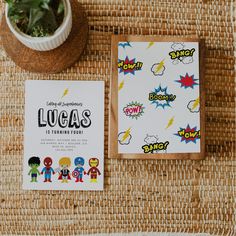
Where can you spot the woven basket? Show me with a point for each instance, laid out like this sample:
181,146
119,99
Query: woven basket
139,196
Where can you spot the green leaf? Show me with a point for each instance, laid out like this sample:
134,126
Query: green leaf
35,16
9,2
60,9
45,4
31,3
49,20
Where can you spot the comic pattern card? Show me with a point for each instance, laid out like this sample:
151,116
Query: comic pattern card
158,97
64,135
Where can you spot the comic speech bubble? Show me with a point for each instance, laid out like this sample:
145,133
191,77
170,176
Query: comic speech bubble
129,66
161,98
158,68
124,137
150,148
134,110
189,134
194,106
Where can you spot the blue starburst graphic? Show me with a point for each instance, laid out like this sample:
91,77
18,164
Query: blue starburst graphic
163,103
126,44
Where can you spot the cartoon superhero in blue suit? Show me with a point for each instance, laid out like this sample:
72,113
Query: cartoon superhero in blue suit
79,170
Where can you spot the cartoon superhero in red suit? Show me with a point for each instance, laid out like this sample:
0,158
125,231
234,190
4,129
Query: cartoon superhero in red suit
47,170
93,171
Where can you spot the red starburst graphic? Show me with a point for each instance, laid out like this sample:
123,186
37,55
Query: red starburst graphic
129,66
187,81
189,134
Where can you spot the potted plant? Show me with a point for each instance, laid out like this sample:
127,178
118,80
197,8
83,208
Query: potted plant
39,24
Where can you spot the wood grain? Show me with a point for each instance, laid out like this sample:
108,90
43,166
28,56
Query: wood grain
50,61
113,118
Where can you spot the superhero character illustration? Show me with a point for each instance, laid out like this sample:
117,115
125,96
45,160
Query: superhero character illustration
79,170
64,174
93,171
47,170
34,163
